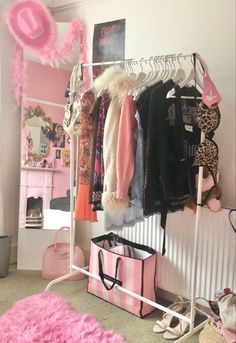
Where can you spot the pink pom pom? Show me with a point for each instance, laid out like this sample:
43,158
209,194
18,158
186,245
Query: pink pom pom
214,205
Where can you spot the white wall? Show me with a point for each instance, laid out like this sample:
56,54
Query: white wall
157,27
9,138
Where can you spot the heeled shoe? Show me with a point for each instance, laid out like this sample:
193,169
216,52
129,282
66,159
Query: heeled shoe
177,306
180,329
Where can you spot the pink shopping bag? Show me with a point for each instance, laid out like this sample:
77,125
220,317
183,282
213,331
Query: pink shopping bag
136,272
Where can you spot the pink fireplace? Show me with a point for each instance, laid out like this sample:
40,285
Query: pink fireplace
35,195
34,213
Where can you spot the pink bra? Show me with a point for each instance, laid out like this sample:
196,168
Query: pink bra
210,96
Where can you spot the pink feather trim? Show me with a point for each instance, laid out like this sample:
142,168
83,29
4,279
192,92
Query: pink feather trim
52,56
18,74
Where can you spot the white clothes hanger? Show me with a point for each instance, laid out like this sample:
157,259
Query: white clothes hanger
154,77
163,72
141,82
180,73
173,69
141,75
167,69
155,73
193,76
131,71
151,72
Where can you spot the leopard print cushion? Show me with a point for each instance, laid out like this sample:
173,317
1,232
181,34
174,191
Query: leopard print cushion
207,155
207,119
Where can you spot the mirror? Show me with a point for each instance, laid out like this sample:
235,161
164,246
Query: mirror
36,126
45,155
45,146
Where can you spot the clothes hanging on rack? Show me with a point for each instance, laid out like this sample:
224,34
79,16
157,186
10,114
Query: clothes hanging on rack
117,87
97,174
94,115
118,211
171,139
83,210
146,144
87,130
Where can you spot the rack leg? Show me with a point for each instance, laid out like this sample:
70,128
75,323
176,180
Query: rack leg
194,264
64,277
192,332
53,282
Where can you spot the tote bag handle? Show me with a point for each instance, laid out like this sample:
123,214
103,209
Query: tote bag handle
104,276
58,233
230,220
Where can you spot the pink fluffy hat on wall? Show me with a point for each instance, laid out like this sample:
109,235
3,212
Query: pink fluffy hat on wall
34,28
31,24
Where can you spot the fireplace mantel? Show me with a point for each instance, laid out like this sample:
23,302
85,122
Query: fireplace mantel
40,169
35,182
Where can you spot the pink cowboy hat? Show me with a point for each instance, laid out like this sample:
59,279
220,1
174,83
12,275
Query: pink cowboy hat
31,24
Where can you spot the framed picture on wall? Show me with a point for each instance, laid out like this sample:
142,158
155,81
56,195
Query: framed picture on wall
65,157
108,43
59,136
58,154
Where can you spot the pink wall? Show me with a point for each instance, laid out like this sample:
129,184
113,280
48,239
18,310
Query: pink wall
46,83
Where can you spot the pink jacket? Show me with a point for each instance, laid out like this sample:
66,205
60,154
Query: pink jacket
126,147
119,86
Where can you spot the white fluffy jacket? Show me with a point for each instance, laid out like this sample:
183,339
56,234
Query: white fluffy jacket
120,84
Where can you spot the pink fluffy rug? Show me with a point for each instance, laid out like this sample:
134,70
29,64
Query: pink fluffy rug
48,318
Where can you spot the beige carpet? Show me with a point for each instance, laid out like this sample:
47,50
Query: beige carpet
20,284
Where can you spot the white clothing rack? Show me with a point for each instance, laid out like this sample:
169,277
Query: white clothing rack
75,269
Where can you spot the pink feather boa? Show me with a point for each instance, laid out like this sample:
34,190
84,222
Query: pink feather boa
18,74
52,56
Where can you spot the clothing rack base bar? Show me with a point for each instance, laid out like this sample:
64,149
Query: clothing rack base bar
62,278
124,290
137,296
191,332
55,281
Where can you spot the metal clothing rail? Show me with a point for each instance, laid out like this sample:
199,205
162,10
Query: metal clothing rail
75,269
138,60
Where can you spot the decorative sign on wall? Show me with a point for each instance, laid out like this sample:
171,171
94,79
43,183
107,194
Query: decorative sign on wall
59,136
58,154
108,43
